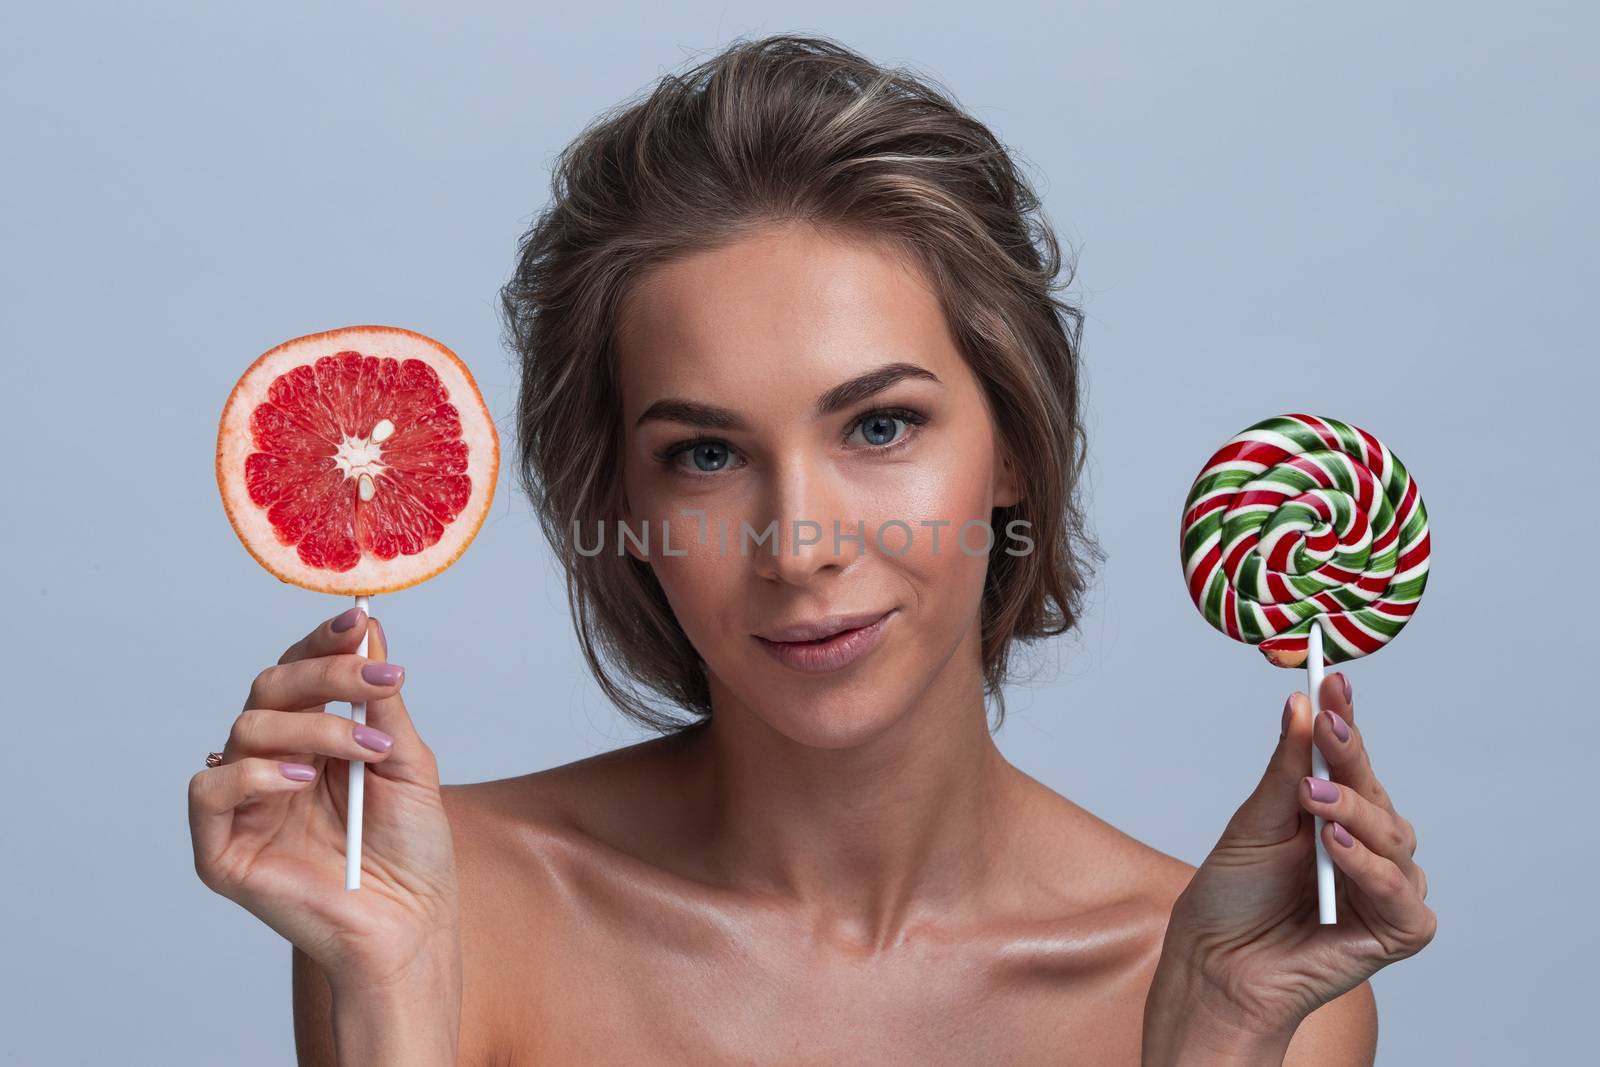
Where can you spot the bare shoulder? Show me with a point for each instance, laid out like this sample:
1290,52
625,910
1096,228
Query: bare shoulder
1343,1031
1148,882
525,848
1124,871
519,839
1099,895
577,803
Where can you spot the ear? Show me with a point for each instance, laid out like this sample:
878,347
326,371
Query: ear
1007,490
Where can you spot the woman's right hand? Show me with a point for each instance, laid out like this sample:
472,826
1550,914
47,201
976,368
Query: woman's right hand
276,845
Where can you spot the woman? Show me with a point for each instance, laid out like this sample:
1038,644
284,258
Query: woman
787,321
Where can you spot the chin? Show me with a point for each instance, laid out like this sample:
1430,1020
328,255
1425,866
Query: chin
844,721
839,711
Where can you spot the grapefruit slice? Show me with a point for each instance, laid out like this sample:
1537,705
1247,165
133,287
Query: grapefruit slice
359,461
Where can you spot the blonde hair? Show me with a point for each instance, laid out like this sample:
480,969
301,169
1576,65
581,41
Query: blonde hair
789,128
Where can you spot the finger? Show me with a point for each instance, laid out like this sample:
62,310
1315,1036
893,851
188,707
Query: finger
309,683
342,633
1383,831
1349,762
1295,744
410,759
1337,694
216,792
288,734
1272,812
1393,906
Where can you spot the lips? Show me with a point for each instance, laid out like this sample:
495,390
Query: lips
829,654
817,629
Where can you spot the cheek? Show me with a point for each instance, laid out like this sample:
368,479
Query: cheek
700,582
953,491
948,486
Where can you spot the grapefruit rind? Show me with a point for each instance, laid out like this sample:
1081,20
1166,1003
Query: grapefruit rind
371,575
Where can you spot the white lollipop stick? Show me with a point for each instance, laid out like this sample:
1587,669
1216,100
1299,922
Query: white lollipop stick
1319,768
352,840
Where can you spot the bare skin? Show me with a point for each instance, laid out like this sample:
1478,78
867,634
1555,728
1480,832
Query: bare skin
838,867
1031,960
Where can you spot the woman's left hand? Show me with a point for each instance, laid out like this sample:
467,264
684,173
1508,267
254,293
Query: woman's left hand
1244,948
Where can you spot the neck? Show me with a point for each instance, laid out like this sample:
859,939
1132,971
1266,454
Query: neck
869,836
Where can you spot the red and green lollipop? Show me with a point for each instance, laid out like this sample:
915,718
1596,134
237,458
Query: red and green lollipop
1306,537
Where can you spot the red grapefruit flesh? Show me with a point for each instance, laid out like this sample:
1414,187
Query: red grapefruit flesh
360,460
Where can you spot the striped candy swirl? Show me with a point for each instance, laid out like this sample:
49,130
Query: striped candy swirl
1300,517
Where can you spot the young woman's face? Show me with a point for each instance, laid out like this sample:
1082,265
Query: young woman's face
731,362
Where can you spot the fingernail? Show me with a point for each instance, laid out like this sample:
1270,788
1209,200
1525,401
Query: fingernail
383,673
1322,789
383,635
1348,698
300,772
376,740
1341,835
1288,710
1341,729
343,622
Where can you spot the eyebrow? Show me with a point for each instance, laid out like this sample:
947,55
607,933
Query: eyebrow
844,395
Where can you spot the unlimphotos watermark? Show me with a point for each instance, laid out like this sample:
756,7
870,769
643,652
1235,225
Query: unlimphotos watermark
806,532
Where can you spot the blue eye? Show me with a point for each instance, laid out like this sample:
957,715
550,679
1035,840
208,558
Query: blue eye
709,455
878,428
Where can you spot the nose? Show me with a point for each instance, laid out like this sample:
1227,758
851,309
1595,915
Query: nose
806,503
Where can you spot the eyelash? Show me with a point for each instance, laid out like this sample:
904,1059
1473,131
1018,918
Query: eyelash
914,419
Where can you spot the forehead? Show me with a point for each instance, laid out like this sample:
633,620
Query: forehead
785,304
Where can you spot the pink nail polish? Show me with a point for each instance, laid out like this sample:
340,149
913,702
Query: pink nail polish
1341,729
1341,835
382,673
367,737
1349,698
300,772
1322,789
345,620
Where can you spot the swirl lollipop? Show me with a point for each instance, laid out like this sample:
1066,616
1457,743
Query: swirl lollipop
356,461
1306,537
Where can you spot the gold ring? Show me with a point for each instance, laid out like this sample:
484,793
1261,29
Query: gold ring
214,759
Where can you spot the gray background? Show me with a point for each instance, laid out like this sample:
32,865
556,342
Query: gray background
1382,213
